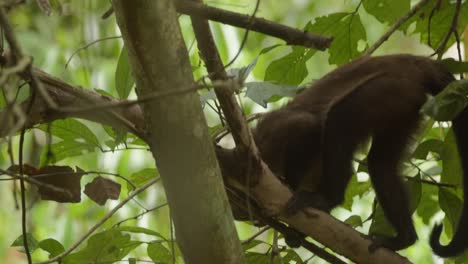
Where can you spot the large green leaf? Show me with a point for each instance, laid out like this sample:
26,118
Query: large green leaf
440,22
72,130
428,205
106,247
451,204
452,171
346,29
123,77
33,244
355,188
141,177
52,246
158,253
387,11
264,92
448,103
290,69
430,145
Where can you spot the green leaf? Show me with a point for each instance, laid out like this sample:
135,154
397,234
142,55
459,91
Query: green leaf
448,103
263,92
430,145
52,246
455,66
72,130
387,11
141,177
290,69
380,224
205,97
268,49
33,244
428,206
257,258
242,73
123,77
2,101
105,247
451,204
452,171
140,230
440,22
346,29
354,221
66,149
292,257
251,244
77,139
158,253
119,136
354,188
414,188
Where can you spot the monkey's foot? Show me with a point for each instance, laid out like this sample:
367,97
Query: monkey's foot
304,199
392,243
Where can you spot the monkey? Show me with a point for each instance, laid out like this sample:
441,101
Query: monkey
309,143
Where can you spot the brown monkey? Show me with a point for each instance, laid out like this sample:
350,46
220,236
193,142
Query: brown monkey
310,142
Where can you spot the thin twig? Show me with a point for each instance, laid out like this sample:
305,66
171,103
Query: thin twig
254,236
246,35
23,198
395,26
135,217
58,258
141,99
87,46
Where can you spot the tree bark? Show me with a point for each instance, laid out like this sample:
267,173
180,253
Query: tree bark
178,136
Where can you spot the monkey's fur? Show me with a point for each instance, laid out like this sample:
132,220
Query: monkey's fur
309,143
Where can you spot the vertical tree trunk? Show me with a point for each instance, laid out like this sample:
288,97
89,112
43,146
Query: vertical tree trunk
179,137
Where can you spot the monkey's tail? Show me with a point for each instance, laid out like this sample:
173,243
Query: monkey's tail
460,239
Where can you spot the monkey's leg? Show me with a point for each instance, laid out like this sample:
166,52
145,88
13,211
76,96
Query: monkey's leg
384,156
341,135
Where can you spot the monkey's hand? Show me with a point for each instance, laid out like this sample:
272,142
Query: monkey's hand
303,199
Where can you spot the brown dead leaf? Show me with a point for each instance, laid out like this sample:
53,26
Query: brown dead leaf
63,177
102,189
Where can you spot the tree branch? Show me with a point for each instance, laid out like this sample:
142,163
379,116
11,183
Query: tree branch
292,36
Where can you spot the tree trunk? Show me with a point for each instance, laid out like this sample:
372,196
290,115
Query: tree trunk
179,138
